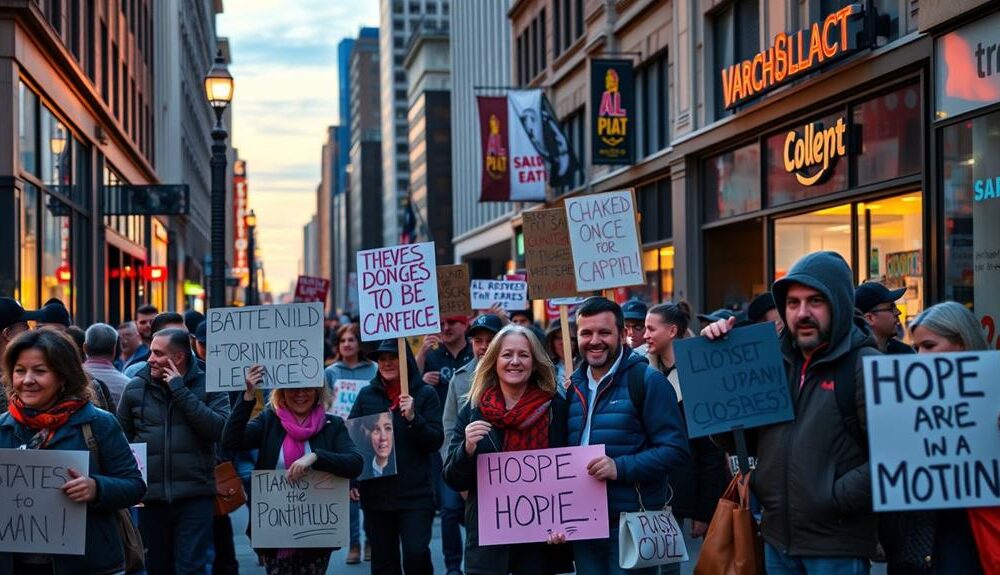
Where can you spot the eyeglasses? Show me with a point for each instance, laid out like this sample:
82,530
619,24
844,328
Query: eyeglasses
895,310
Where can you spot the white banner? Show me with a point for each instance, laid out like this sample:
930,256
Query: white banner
512,295
528,174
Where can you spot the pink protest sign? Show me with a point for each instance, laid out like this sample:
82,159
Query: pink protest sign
523,495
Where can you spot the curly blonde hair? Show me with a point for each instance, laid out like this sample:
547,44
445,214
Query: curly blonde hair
324,397
543,373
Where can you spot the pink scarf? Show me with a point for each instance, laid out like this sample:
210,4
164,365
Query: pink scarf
296,434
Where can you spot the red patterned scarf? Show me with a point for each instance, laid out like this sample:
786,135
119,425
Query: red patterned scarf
393,390
526,425
47,422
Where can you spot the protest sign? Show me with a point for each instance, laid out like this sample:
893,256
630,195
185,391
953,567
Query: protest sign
286,339
512,295
373,434
397,292
548,255
139,452
525,494
932,430
345,393
453,290
35,515
733,383
310,289
605,241
308,513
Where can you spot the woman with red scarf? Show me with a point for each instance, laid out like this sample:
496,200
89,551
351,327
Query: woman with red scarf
513,406
49,408
296,434
399,509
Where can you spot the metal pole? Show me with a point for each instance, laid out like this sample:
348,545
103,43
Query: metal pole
217,284
252,261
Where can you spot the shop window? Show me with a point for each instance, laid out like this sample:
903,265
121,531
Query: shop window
888,128
57,270
793,172
957,185
732,183
28,238
824,230
659,266
28,129
734,265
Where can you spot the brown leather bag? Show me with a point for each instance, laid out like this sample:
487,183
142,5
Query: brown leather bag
229,492
732,545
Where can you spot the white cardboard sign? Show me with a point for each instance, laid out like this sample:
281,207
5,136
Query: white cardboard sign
605,241
312,512
512,295
397,291
345,393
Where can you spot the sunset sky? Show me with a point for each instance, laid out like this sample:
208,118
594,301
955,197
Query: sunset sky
284,66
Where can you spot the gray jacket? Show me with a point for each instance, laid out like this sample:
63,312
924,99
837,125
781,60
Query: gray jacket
180,425
458,389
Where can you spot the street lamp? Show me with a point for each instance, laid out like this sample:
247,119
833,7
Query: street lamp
251,222
219,92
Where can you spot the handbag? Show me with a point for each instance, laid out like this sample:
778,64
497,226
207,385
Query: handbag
229,492
650,538
732,544
985,524
131,539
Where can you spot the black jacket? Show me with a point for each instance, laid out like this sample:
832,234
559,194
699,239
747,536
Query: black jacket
460,475
812,475
415,443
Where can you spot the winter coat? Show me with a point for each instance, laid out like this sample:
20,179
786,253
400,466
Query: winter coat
812,475
648,448
180,425
458,389
460,475
414,443
119,485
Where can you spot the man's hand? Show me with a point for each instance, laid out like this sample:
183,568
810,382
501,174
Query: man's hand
603,468
406,407
355,494
718,329
171,372
497,310
80,488
698,529
432,378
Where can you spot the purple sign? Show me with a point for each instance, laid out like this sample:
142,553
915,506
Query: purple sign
525,495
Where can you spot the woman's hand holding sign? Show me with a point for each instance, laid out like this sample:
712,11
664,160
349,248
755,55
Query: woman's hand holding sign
254,377
474,433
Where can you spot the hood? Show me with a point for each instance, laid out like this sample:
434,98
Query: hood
828,273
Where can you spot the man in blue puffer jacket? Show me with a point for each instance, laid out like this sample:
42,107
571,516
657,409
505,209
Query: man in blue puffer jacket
644,436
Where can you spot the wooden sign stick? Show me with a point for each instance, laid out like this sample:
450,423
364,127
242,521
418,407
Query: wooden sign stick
566,345
404,376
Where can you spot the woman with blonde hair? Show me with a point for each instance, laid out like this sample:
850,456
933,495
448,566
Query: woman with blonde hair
513,406
296,434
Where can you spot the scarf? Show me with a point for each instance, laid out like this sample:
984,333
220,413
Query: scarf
526,425
296,434
393,391
47,422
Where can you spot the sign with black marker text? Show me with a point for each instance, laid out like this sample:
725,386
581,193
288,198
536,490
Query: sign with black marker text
605,241
512,295
308,513
397,291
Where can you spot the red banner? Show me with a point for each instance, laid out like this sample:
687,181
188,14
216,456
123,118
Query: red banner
241,265
493,133
310,289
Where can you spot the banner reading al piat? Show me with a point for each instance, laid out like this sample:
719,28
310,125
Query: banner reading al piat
612,109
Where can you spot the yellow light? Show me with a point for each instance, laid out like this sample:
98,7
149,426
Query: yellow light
219,84
250,219
667,251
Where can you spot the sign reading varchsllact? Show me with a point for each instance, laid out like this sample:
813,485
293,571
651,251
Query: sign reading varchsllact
286,339
932,430
605,241
308,513
36,516
397,291
512,295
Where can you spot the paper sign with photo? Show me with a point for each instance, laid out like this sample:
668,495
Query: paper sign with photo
373,434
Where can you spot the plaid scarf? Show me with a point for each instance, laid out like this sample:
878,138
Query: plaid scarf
526,425
47,422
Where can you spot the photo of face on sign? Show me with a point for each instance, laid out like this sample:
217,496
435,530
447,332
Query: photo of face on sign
373,434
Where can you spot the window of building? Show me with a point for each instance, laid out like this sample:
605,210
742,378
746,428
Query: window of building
654,202
115,75
653,117
432,8
57,269
28,255
732,181
658,264
56,154
736,37
28,128
399,76
397,7
543,62
784,186
890,135
573,128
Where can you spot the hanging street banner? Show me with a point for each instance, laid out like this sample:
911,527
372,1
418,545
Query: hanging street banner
398,291
612,109
512,295
453,290
605,240
932,430
548,254
286,339
496,160
528,174
312,512
309,289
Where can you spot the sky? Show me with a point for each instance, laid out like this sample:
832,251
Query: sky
284,64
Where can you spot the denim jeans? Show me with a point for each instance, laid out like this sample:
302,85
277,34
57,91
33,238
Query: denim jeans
178,536
600,557
355,523
778,563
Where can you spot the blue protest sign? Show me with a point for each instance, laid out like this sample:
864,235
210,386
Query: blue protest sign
736,382
932,430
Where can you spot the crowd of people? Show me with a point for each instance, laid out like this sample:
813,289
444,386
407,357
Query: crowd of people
493,383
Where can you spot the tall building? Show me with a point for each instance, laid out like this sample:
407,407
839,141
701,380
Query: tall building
325,193
186,45
310,243
480,56
398,19
428,69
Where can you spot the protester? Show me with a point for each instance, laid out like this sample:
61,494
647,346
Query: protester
554,346
878,304
697,493
13,321
481,333
99,346
399,510
192,319
935,542
351,364
440,357
162,321
50,409
634,311
522,317
133,350
166,407
144,316
513,406
199,340
53,315
76,334
812,475
763,309
643,435
293,433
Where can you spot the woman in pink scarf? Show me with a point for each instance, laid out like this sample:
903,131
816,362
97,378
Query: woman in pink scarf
294,433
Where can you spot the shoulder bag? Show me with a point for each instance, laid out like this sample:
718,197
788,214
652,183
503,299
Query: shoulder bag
650,538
